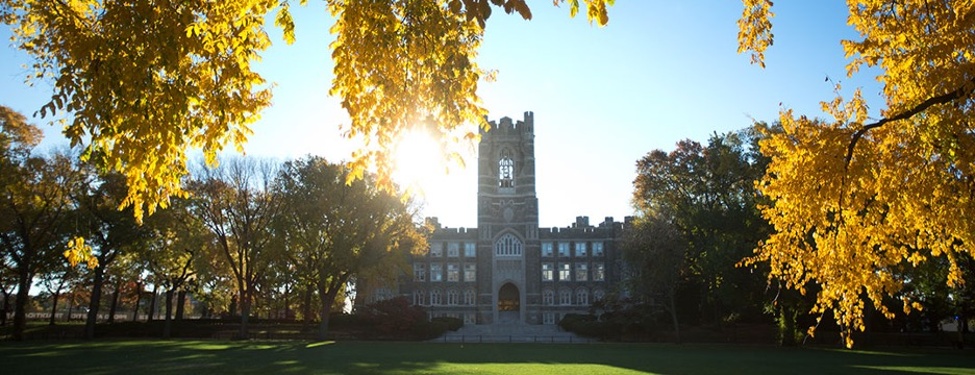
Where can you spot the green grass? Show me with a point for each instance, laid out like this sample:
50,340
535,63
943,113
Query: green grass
180,357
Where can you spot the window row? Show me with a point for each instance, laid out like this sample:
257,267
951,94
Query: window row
469,318
453,249
438,298
565,272
565,297
581,249
437,272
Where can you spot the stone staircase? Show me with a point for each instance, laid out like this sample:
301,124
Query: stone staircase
511,333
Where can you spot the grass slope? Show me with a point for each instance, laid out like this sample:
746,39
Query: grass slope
216,357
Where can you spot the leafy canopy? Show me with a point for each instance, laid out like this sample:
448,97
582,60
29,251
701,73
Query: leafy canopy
854,198
144,81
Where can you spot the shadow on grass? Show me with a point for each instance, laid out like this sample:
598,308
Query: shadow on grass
178,356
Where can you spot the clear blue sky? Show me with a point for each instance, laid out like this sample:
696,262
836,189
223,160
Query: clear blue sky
661,71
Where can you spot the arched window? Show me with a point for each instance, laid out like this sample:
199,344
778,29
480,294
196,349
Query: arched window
419,297
548,297
598,294
452,297
565,297
582,296
435,297
506,170
507,245
469,297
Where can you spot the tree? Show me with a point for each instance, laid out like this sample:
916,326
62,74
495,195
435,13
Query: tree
336,230
177,237
655,253
856,198
55,279
146,80
33,204
237,204
707,193
111,232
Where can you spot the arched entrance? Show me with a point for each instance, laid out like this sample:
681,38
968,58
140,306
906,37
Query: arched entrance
509,304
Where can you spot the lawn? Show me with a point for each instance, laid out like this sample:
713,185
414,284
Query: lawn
184,356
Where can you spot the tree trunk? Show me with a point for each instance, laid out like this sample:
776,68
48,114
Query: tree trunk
152,304
232,310
673,317
54,306
180,304
138,301
6,306
167,328
114,306
787,326
20,306
306,314
287,303
70,301
245,312
95,302
327,301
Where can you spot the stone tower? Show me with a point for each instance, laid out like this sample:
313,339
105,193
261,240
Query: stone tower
507,218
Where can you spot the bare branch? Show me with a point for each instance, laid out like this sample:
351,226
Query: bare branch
956,94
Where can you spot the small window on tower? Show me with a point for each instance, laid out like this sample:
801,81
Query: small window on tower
506,170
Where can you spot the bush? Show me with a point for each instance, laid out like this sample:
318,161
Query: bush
569,321
453,324
428,330
396,319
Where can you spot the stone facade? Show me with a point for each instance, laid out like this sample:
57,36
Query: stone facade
508,270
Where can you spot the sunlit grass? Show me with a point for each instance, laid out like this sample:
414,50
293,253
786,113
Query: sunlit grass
329,357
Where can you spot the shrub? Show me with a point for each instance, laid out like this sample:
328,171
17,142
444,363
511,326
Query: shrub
453,324
396,318
428,330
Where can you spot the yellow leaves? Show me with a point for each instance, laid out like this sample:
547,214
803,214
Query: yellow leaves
286,23
755,29
78,251
146,81
596,10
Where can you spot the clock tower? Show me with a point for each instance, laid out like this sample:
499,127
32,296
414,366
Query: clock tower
507,218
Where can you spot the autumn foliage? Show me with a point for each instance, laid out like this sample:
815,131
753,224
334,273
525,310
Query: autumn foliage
857,200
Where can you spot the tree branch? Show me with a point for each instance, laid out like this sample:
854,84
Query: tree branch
956,94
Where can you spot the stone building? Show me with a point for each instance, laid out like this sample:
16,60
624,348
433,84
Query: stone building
508,270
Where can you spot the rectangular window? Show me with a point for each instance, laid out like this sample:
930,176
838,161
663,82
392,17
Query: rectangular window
580,249
564,272
548,318
469,318
547,249
598,272
453,249
436,249
419,272
597,249
453,272
470,272
582,272
470,249
548,272
563,249
436,272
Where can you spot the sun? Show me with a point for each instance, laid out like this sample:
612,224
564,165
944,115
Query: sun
420,163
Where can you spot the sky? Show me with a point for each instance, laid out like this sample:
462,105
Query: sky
602,97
